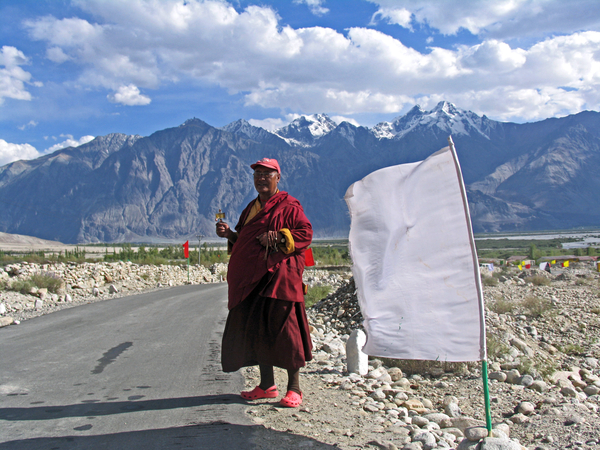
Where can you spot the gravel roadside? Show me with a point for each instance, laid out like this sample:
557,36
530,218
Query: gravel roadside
544,370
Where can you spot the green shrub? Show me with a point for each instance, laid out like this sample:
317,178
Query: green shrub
47,280
547,368
489,281
22,286
572,349
495,347
538,280
502,306
315,294
536,306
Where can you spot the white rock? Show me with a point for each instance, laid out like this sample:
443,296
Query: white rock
426,438
491,443
592,389
334,346
452,410
475,434
357,361
526,408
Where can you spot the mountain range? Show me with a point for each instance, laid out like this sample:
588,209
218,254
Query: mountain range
169,185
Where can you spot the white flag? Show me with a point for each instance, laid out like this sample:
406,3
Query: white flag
415,262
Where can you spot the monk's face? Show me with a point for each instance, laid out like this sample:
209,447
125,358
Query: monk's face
265,181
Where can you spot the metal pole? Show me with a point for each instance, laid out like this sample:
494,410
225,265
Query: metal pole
477,276
486,397
199,236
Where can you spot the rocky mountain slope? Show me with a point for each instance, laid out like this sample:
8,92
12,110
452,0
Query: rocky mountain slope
169,185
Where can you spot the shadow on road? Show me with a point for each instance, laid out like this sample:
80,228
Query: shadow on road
109,408
209,436
212,435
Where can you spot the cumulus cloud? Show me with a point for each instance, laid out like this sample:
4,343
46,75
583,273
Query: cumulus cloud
316,6
12,77
270,124
14,152
143,44
501,19
69,142
57,55
30,124
397,16
129,95
340,119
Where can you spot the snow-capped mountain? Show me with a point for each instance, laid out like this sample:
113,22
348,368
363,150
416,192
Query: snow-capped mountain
245,128
444,118
168,185
306,130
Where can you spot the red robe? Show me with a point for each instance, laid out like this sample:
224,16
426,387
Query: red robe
267,321
247,265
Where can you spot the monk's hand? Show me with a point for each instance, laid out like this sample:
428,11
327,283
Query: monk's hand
263,239
269,238
222,229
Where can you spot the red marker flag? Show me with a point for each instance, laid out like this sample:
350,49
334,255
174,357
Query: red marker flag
186,249
310,260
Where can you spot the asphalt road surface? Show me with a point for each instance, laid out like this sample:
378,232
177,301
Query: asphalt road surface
134,372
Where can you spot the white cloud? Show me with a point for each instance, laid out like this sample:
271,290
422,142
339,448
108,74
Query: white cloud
14,152
143,44
397,16
69,142
30,124
269,124
316,6
57,55
12,77
129,95
340,119
501,19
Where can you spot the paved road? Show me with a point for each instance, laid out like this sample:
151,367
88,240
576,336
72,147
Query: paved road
134,372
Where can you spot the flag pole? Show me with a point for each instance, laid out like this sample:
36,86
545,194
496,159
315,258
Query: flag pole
484,363
186,255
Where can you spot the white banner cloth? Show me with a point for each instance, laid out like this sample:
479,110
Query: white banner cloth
415,263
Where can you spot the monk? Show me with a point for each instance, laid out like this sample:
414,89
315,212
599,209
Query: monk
267,324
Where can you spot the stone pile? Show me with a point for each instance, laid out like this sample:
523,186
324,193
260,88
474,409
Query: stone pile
317,277
85,282
544,377
92,281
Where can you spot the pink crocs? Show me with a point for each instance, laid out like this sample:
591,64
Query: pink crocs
258,393
291,400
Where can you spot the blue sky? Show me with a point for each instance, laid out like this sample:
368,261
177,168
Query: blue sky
71,70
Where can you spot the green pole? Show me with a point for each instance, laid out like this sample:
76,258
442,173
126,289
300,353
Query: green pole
486,395
188,260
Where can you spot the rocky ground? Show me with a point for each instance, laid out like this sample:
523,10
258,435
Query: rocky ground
88,282
543,345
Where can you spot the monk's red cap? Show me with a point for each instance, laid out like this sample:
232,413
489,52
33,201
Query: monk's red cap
269,163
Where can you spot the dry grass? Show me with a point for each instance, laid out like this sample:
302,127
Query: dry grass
410,367
538,280
536,306
502,306
489,281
